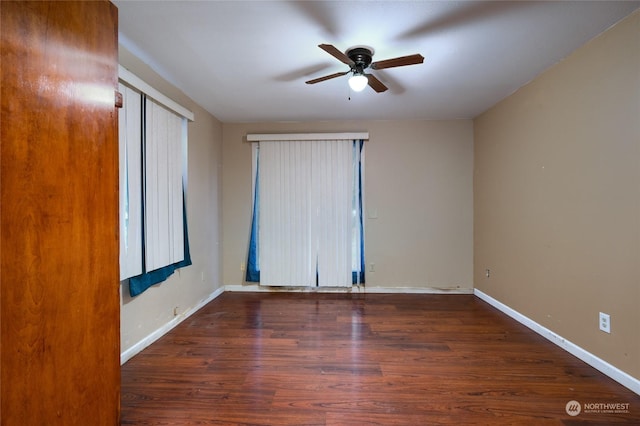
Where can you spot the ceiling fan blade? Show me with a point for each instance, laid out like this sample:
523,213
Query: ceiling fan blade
376,84
326,77
398,62
333,51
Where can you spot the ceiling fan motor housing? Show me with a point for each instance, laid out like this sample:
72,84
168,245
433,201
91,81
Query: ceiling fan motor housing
361,58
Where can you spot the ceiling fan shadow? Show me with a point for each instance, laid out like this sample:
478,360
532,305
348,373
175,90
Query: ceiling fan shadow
463,14
319,13
304,72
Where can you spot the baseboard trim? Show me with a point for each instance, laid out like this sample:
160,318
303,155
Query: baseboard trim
145,342
418,290
599,364
354,289
255,288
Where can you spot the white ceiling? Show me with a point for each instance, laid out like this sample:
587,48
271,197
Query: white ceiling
247,61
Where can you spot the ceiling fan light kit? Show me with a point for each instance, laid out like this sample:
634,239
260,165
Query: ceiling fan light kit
358,82
359,59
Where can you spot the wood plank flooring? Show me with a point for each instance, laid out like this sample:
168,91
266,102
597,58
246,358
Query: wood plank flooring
375,359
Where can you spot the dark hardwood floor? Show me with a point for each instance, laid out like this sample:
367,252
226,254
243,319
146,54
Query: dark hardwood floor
375,359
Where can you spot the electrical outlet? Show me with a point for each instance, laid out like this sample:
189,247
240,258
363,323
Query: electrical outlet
372,267
605,322
175,311
487,272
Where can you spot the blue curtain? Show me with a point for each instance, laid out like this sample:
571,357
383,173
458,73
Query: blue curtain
140,283
253,267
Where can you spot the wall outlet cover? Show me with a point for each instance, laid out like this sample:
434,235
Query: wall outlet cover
605,322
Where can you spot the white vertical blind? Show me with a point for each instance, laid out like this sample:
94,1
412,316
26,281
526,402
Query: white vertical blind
333,195
306,196
153,165
130,147
164,237
286,256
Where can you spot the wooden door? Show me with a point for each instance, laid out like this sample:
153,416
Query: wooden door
59,297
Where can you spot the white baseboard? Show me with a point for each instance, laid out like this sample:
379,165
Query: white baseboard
599,364
418,290
142,344
268,289
354,289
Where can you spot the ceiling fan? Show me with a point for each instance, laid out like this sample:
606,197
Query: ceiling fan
359,59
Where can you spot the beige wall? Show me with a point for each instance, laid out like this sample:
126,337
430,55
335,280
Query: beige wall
153,309
418,182
557,197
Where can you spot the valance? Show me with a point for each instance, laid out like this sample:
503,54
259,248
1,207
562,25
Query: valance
266,137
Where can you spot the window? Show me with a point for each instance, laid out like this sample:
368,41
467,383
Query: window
153,138
307,217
